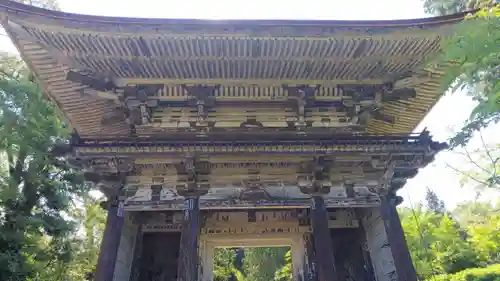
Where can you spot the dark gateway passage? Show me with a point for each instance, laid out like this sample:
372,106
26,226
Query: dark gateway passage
156,264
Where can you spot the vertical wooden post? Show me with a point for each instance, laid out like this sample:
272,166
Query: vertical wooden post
110,243
325,262
188,254
397,242
136,262
309,262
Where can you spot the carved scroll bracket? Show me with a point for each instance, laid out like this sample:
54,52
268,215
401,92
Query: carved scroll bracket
140,102
108,174
314,176
301,95
366,102
134,103
193,174
203,98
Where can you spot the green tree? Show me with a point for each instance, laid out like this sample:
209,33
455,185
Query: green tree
261,264
436,243
91,220
37,188
486,239
447,7
482,222
224,259
46,4
434,204
473,212
473,58
285,273
472,55
482,165
452,252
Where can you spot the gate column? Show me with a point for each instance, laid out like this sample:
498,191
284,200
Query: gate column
194,174
396,238
110,242
317,184
188,253
324,257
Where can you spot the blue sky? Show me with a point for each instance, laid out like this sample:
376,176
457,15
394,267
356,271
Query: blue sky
450,112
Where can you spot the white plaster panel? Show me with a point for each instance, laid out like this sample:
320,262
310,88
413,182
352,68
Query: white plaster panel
378,246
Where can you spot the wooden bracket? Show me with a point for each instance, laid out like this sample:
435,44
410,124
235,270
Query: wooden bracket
192,174
203,97
301,95
317,179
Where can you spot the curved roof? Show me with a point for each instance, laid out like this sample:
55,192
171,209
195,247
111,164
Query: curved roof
236,52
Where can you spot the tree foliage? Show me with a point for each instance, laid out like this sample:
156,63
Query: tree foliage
261,264
36,189
438,244
481,168
447,7
286,272
434,204
224,260
475,59
490,273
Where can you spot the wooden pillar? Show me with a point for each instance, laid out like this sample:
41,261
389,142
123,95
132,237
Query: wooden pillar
136,262
207,265
188,254
298,257
309,260
395,235
324,260
110,243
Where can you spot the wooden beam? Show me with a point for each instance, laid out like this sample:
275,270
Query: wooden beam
188,254
110,243
324,259
395,235
241,82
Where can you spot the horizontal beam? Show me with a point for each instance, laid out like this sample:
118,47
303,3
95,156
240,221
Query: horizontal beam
121,82
344,139
246,205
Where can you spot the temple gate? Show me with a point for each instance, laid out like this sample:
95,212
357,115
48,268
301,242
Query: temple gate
207,134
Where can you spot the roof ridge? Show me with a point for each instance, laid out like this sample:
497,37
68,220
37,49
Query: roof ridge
12,8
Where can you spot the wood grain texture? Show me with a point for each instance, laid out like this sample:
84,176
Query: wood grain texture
237,53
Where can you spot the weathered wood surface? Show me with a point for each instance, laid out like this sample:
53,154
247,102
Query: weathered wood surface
239,54
138,248
405,270
188,258
110,243
324,256
250,221
310,271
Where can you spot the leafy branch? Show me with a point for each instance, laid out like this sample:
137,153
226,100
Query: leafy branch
473,59
485,162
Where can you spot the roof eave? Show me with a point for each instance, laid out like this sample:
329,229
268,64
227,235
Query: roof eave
35,15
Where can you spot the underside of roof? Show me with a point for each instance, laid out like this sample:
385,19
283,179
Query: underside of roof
248,60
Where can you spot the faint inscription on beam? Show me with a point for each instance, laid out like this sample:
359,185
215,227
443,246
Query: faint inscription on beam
290,221
255,230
